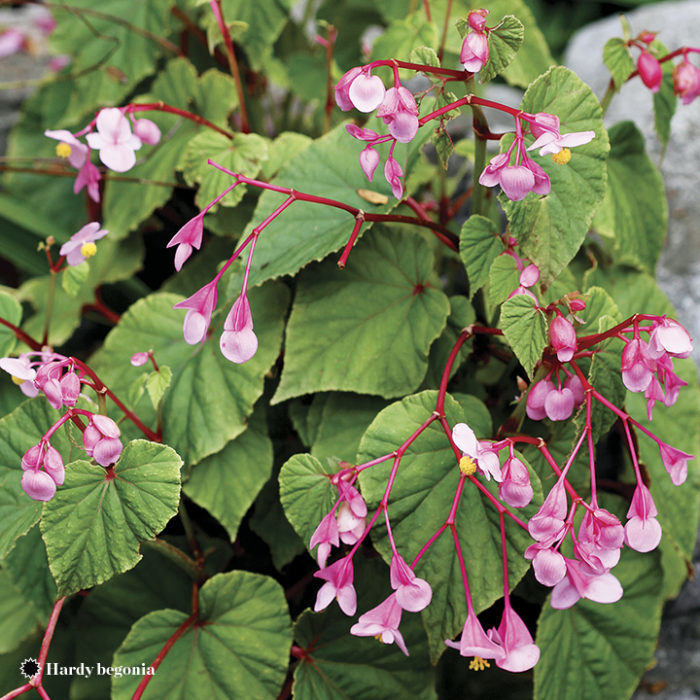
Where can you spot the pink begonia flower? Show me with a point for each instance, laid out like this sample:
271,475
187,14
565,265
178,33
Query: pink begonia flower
382,622
46,457
238,342
652,394
101,440
338,577
477,19
559,404
536,397
82,244
650,71
147,131
114,140
360,133
11,42
548,564
475,51
60,389
342,89
369,159
642,530
548,522
530,275
637,365
669,337
583,582
516,181
74,151
562,337
22,373
138,359
200,307
545,128
486,459
350,527
399,111
600,538
413,594
366,91
686,81
515,489
88,176
676,463
189,236
542,183
325,536
393,174
353,497
475,642
520,652
575,385
491,174
38,485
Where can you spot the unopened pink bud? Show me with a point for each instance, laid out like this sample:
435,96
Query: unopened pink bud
559,404
38,485
138,359
530,275
366,92
649,71
53,463
686,81
577,304
369,159
536,398
477,19
147,131
647,37
475,52
32,457
563,338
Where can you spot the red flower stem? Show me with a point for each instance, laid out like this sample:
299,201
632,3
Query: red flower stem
367,465
429,544
162,654
101,387
17,692
21,335
450,242
43,693
591,453
633,452
462,569
359,220
303,197
470,100
444,380
426,6
161,106
389,533
46,642
504,555
445,26
585,341
233,63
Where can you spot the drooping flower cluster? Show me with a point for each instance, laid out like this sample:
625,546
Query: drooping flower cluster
114,141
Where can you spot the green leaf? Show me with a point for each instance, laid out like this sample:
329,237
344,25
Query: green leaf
402,36
11,311
19,618
244,154
284,148
341,666
421,499
107,614
113,261
367,328
550,229
426,56
664,99
443,145
308,231
238,649
73,278
157,382
505,40
504,278
479,246
617,58
525,328
209,398
306,492
19,430
598,652
634,211
228,482
96,521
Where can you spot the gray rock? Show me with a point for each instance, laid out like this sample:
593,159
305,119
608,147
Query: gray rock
678,24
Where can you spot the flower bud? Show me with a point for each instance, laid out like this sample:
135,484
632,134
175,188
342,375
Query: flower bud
649,71
477,19
147,131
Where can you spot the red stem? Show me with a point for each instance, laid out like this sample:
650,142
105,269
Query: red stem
46,641
161,106
426,5
21,335
162,654
445,26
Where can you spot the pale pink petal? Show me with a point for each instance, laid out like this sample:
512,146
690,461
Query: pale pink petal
38,485
366,92
463,436
238,346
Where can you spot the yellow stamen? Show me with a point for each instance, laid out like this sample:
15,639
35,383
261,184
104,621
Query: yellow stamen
88,250
467,465
478,664
63,150
17,380
563,157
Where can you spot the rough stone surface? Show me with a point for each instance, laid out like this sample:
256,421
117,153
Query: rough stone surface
678,24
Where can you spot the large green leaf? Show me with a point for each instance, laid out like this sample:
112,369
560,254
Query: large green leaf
402,36
19,617
95,523
307,231
634,211
550,229
525,328
238,648
598,652
209,398
10,311
617,58
367,328
420,501
479,246
340,666
227,483
19,430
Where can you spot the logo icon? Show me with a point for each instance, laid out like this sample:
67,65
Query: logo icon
29,668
